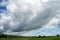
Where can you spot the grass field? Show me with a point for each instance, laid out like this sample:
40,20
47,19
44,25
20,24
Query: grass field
47,38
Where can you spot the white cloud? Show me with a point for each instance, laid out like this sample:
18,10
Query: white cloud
52,23
25,16
44,1
1,27
12,7
4,2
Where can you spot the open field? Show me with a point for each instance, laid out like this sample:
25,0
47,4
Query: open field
31,38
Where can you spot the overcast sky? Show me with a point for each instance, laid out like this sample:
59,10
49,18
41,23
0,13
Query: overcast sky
30,17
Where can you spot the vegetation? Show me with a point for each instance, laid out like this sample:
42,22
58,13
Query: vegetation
58,35
10,37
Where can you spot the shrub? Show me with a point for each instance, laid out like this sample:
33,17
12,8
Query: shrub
57,35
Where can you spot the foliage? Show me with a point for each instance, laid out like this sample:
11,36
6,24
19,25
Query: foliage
58,35
10,37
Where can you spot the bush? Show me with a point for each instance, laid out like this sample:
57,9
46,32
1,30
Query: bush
3,36
43,36
39,36
57,35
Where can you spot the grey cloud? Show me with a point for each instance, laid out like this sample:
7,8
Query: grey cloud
42,18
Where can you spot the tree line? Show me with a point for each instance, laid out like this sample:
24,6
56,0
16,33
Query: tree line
9,36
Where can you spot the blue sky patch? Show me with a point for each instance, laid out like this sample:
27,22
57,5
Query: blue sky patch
1,0
3,8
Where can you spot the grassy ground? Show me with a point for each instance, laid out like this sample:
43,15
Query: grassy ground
47,38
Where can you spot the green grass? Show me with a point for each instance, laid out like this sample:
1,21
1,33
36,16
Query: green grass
47,38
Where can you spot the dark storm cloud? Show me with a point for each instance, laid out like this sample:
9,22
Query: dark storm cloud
42,19
25,20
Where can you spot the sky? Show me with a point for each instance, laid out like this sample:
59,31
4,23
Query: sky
30,17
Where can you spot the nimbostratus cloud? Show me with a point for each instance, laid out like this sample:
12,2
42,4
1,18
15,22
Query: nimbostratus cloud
27,15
